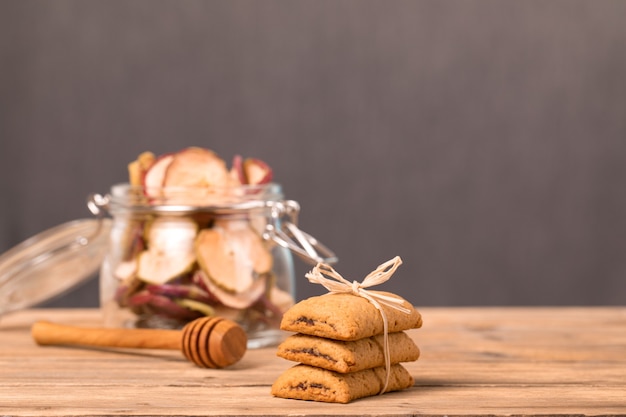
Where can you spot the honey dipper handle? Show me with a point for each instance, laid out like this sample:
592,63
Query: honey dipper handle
46,333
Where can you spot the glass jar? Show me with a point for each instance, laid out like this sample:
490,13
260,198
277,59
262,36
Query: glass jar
178,254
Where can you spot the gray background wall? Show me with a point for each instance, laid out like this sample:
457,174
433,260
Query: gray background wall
482,141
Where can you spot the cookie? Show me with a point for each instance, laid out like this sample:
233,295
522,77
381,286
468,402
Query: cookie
346,316
304,382
347,356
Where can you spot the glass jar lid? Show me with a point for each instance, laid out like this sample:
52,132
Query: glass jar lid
52,262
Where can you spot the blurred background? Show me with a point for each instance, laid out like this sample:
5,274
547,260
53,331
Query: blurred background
482,141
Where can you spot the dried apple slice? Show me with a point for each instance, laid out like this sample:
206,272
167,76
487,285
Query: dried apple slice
252,171
171,234
238,301
195,305
170,250
232,255
125,271
162,305
196,167
236,173
183,291
256,171
153,179
127,289
158,268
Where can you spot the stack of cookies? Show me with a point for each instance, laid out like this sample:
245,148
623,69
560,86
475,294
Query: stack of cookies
339,346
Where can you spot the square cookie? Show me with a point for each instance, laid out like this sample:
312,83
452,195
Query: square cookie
347,356
304,382
346,317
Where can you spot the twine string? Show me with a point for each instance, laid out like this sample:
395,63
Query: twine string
325,275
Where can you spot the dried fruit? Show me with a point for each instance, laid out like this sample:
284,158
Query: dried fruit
195,305
256,171
231,254
178,267
251,171
125,270
170,250
196,168
138,168
162,305
237,176
240,300
188,291
153,179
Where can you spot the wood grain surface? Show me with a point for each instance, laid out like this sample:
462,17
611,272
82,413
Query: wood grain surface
475,361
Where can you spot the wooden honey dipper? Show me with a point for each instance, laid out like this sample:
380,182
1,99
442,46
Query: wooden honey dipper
209,342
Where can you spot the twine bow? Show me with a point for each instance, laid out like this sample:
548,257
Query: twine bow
336,284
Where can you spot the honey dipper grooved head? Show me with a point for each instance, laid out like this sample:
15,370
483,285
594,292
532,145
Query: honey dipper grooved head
213,342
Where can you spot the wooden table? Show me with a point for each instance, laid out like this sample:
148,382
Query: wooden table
475,361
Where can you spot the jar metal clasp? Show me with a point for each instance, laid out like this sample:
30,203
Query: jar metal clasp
97,204
282,229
